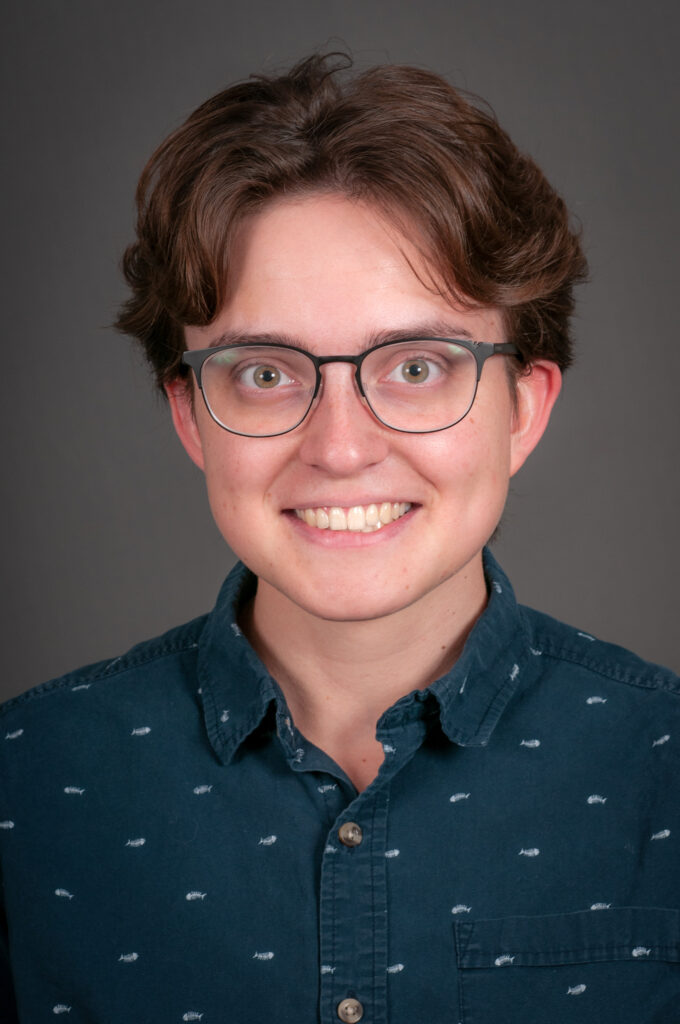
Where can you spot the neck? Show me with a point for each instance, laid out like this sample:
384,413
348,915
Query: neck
339,677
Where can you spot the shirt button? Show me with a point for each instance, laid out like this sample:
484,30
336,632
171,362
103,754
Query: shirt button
350,834
350,1011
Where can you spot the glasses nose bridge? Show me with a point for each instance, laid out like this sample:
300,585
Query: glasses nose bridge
354,361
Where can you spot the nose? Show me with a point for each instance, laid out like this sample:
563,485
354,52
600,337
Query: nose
341,435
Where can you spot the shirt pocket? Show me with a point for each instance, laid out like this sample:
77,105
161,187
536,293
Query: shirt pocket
619,965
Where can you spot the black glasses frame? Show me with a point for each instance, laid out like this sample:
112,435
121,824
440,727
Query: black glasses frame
481,350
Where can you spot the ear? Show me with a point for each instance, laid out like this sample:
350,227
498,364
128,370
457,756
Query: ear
536,394
181,399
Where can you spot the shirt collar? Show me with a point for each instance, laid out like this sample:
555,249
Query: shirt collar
237,691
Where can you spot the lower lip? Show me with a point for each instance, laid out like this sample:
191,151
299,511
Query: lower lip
341,539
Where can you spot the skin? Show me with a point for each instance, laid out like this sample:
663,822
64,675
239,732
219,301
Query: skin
348,623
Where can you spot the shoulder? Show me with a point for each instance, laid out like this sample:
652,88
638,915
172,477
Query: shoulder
576,653
165,656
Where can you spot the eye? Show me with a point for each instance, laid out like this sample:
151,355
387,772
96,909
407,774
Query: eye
415,370
263,375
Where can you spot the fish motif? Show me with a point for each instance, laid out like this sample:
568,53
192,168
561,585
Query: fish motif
6,824
532,744
14,735
327,969
143,730
81,686
192,1015
640,951
503,961
514,673
459,796
71,790
61,1008
461,908
391,853
136,842
576,990
661,740
195,895
600,906
263,956
596,700
267,841
497,587
224,717
389,749
327,788
64,893
395,968
595,798
586,636
128,958
533,851
663,834
200,790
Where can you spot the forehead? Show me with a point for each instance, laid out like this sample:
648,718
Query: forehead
324,271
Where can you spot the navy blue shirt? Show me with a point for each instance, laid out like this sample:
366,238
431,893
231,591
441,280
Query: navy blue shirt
173,849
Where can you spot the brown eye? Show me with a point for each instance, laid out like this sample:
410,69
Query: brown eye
266,376
415,371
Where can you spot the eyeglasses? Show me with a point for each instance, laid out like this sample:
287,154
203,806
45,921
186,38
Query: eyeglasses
418,385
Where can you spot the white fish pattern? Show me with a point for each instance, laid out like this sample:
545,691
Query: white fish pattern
74,790
514,672
533,851
267,841
195,895
661,740
235,629
298,756
327,969
330,849
663,834
600,906
136,842
461,908
389,749
586,636
595,798
263,956
128,958
61,1008
504,961
200,790
596,700
327,788
142,730
640,951
14,735
497,587
457,797
64,893
576,990
532,744
224,717
536,653
6,824
395,969
81,686
192,1015
391,853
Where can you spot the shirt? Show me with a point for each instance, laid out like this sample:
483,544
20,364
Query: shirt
173,849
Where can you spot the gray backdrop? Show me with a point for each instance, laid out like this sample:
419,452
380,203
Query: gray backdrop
108,538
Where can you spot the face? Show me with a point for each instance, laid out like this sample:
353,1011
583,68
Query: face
330,275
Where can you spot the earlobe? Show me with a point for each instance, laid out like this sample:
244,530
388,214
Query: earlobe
182,410
536,394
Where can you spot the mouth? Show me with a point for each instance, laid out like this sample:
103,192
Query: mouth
355,519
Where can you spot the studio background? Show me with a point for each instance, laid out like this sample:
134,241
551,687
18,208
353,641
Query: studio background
108,538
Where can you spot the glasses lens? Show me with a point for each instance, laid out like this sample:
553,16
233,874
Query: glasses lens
258,390
418,386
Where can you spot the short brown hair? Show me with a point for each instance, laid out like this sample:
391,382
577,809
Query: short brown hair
492,228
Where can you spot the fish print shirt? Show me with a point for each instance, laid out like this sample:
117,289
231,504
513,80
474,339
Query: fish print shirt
173,849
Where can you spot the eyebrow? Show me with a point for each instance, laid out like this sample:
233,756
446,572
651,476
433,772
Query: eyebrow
426,329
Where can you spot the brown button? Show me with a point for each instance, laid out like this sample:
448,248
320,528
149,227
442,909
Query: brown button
350,834
350,1010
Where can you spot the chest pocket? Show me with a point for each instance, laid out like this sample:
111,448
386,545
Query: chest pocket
614,966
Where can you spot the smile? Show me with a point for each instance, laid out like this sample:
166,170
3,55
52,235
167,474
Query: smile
357,519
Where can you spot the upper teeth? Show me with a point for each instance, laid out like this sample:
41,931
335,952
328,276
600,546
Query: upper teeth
358,518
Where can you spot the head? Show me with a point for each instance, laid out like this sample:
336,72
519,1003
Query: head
335,212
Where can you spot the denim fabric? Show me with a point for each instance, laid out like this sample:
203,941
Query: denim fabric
170,845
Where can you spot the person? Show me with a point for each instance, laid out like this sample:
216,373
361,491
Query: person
368,785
